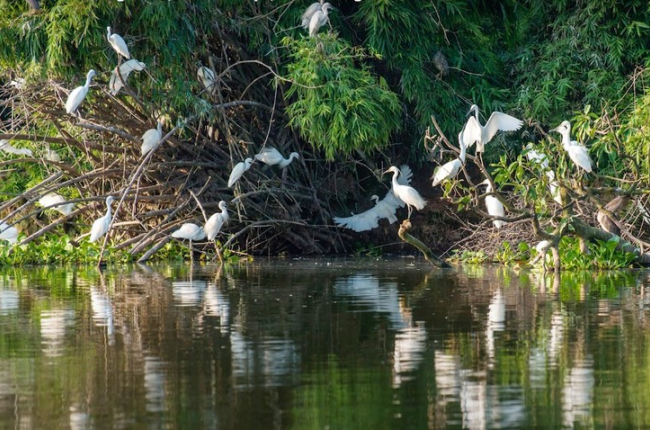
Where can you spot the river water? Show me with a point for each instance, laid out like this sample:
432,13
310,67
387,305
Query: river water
322,344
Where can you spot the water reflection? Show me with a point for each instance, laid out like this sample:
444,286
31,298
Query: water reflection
295,344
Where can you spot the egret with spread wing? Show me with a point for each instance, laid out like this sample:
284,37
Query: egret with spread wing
482,134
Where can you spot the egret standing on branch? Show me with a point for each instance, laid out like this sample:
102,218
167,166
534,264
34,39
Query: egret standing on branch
542,160
79,94
207,78
318,19
450,169
475,132
272,156
493,205
100,226
150,139
238,171
56,202
10,234
118,44
577,152
124,70
216,221
406,193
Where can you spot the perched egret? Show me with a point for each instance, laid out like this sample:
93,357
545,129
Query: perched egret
10,234
78,94
238,171
384,208
191,232
272,156
493,205
450,169
56,202
7,147
207,78
406,193
482,134
577,152
150,139
118,44
542,160
318,19
18,83
125,69
51,155
216,221
310,11
100,226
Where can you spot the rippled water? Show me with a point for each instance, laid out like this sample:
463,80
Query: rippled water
322,344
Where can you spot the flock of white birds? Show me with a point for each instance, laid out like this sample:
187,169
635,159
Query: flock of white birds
400,195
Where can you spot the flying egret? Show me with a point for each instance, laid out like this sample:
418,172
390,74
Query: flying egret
125,69
384,208
366,220
406,193
542,160
118,44
493,205
450,169
577,152
7,147
216,221
10,234
272,156
318,19
150,139
56,202
482,134
78,94
207,78
100,226
238,171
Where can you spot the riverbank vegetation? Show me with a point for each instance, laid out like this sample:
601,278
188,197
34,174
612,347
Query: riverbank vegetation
381,84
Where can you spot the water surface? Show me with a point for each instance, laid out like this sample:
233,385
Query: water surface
322,344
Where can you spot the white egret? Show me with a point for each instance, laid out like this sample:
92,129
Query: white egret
56,202
51,155
482,134
207,78
118,44
7,147
238,171
150,139
125,69
216,221
450,169
366,220
537,157
318,19
577,152
406,193
191,232
10,234
78,94
493,205
18,83
100,226
310,11
272,156
385,208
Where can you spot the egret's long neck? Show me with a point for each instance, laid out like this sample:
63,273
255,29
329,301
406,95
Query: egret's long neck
463,151
108,211
88,79
566,137
476,113
489,188
395,184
